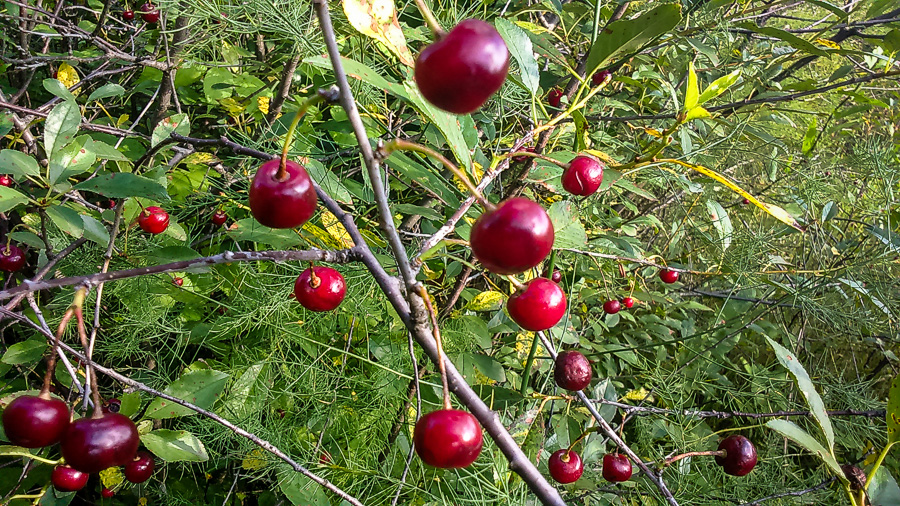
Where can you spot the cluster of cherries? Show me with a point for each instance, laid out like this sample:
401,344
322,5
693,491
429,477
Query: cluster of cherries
88,445
149,13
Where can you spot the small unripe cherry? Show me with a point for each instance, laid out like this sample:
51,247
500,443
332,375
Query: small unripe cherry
668,276
612,306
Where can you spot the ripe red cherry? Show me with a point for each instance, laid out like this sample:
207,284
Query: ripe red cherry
583,176
177,281
554,97
322,292
599,77
628,302
150,13
512,238
91,445
745,201
32,421
612,306
539,306
282,204
12,258
565,466
153,219
66,479
668,276
460,71
219,218
128,15
616,467
140,469
556,277
448,438
740,455
572,371
5,180
107,493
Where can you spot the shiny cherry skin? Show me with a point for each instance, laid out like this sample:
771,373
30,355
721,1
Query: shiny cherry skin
554,97
6,180
740,455
150,13
66,479
128,15
32,421
177,281
514,237
107,493
565,466
572,371
599,77
323,292
282,204
668,276
91,445
219,218
461,70
539,306
745,201
448,438
154,220
583,176
612,306
12,258
140,469
616,467
628,302
556,277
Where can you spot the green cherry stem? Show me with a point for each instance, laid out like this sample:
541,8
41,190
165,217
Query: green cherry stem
551,264
29,456
535,155
430,20
671,460
51,359
440,347
322,95
582,436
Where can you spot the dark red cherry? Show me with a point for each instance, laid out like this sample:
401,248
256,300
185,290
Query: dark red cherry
460,71
668,276
539,306
322,292
154,220
111,406
219,218
628,302
108,493
572,371
91,445
583,176
512,238
565,466
6,180
140,469
745,201
523,158
31,421
177,281
150,13
66,479
554,97
612,306
12,259
282,204
616,467
557,276
599,77
128,15
740,455
448,438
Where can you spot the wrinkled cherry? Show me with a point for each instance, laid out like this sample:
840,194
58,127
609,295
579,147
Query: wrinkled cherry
219,218
612,306
91,445
583,176
35,421
523,158
565,466
66,479
539,306
740,455
599,77
154,220
150,13
461,70
286,203
514,237
448,438
5,180
628,302
140,469
616,467
668,276
322,292
12,258
554,98
572,371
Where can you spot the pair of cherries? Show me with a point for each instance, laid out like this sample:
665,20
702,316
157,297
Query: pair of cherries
566,466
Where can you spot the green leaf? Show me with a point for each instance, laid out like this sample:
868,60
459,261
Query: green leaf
10,198
201,388
893,412
834,9
719,86
629,35
73,159
567,227
891,41
810,138
448,124
251,230
124,184
887,237
94,230
883,489
362,72
175,446
131,404
816,406
18,163
26,237
177,123
794,41
218,84
302,491
248,393
793,432
26,352
68,220
57,88
829,211
488,366
106,152
721,222
521,50
61,125
697,113
106,91
692,92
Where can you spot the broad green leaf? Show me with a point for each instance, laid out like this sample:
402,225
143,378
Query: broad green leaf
68,220
18,163
692,92
124,184
893,411
448,124
521,50
201,388
793,432
26,237
94,230
883,489
891,41
175,446
567,227
106,91
378,19
249,392
488,366
61,125
816,406
57,88
130,403
218,84
74,158
719,86
629,35
177,123
793,40
302,491
10,198
25,352
251,230
809,139
106,152
721,222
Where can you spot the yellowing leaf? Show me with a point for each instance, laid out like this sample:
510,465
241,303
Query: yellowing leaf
477,171
263,104
486,301
378,19
336,229
112,477
254,460
68,76
696,113
639,395
828,43
233,107
602,156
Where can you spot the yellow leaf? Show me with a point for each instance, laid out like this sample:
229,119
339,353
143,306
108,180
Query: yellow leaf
638,395
263,104
233,107
336,229
254,460
828,43
325,239
477,171
486,301
378,19
111,477
602,156
696,113
68,76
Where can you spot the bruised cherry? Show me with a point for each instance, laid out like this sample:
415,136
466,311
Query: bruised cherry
150,13
6,180
740,455
628,302
583,176
554,97
462,69
35,421
66,479
91,445
565,466
140,469
219,218
448,438
612,306
12,258
668,276
538,306
616,467
572,371
320,288
285,203
154,220
512,238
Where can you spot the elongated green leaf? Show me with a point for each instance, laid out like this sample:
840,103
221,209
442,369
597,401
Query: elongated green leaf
448,124
106,91
248,393
249,229
56,87
94,230
18,163
883,490
178,123
124,184
816,406
625,36
72,159
809,139
26,352
10,198
68,220
793,40
692,92
201,388
893,411
834,9
175,446
887,237
568,230
61,125
793,432
719,86
521,50
721,222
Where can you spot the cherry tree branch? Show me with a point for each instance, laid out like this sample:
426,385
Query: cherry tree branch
648,410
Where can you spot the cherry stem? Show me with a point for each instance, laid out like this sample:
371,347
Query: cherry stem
671,460
551,264
51,359
440,347
314,281
430,20
582,436
536,155
88,352
516,283
403,145
323,95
